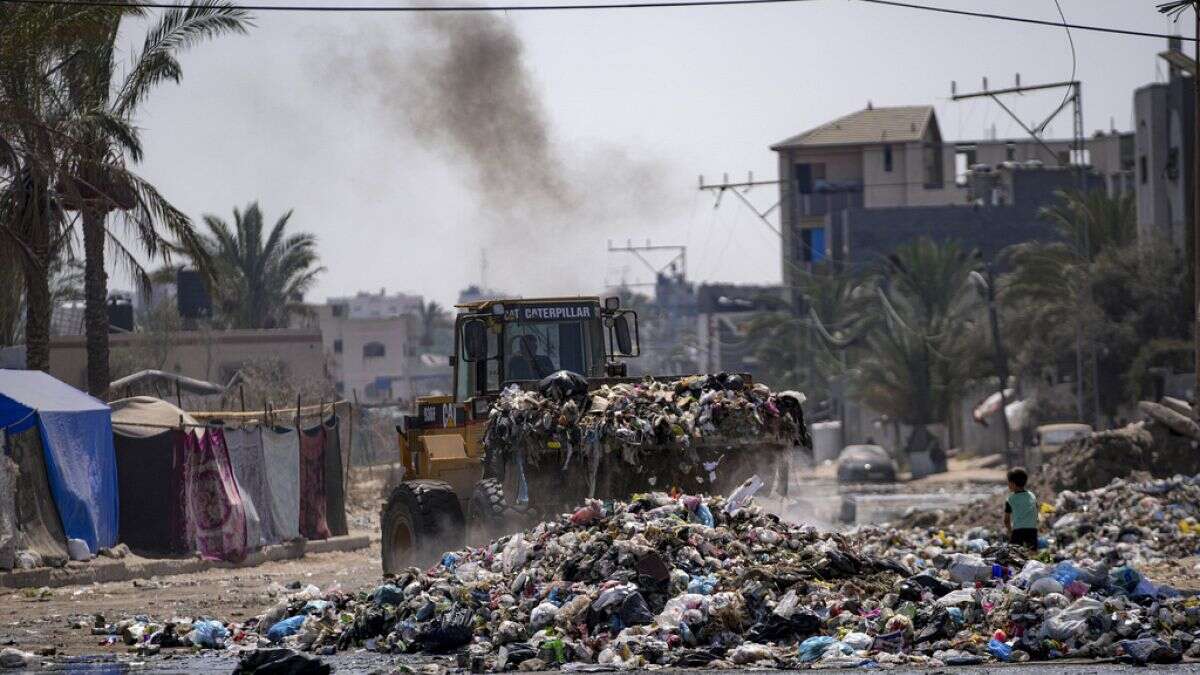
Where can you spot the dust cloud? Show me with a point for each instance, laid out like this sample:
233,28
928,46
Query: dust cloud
459,86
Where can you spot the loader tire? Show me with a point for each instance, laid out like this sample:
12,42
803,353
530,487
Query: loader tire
487,511
420,520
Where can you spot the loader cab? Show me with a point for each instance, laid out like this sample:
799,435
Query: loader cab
502,342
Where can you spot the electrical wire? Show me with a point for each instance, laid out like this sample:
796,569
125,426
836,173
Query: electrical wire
650,4
1074,68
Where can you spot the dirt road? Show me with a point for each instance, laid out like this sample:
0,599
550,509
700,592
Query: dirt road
34,621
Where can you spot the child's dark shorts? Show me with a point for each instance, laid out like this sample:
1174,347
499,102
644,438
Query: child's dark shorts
1027,537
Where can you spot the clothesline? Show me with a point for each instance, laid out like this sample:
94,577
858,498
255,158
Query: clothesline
305,411
180,425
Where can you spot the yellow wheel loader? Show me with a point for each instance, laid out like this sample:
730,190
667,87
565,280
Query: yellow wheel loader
452,485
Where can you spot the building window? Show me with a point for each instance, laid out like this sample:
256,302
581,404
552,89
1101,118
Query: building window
933,166
1143,173
1010,152
340,388
812,247
339,310
337,346
806,177
887,158
374,350
964,159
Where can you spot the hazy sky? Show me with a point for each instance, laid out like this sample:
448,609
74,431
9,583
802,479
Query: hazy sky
339,116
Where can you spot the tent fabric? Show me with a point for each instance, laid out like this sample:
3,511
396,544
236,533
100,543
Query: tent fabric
250,470
183,534
37,516
144,416
313,523
8,510
214,504
281,448
76,432
145,465
335,487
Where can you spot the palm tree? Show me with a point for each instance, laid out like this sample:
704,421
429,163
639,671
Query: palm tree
914,365
1049,294
432,315
257,282
65,133
97,180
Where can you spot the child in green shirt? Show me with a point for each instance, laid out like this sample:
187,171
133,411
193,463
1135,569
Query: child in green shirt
1021,511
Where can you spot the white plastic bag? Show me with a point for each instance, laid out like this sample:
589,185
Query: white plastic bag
516,553
969,568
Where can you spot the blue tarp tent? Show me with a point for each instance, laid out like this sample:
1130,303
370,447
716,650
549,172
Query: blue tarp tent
76,432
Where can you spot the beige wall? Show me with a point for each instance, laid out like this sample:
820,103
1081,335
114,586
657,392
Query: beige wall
205,355
355,372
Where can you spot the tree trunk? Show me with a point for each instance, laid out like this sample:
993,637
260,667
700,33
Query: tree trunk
38,306
95,289
37,315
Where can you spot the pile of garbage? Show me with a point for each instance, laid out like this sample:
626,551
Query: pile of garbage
630,418
712,582
1162,444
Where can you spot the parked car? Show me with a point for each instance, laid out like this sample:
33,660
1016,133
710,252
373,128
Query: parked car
865,464
1048,439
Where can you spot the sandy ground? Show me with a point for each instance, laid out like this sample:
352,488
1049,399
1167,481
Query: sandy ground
34,621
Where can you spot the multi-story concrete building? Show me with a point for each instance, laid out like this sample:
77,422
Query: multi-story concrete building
867,182
1166,123
379,350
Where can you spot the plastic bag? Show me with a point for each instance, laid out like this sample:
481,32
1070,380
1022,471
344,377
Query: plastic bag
285,628
959,597
858,641
1065,573
750,653
812,648
702,585
210,634
740,498
1032,571
968,568
1000,650
543,615
635,611
1045,586
676,607
515,554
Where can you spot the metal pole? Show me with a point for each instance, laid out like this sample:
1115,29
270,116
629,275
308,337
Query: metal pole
1195,206
1001,364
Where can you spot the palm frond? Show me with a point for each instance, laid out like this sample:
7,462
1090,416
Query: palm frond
177,30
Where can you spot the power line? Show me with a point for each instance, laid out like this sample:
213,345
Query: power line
652,4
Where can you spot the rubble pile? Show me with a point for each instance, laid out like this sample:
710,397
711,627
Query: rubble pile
689,581
630,418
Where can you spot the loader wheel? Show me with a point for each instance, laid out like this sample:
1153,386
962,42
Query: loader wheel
486,511
421,519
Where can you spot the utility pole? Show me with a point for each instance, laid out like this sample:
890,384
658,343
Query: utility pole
988,286
739,189
1075,96
1173,9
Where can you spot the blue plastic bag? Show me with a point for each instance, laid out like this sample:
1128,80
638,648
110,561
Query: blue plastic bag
812,648
285,628
702,585
1000,650
208,634
705,515
1065,573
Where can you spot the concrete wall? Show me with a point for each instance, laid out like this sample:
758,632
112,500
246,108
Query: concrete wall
1163,151
207,355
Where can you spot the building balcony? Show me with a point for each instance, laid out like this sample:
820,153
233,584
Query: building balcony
824,203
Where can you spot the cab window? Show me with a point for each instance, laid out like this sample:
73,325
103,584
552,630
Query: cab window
534,350
467,381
